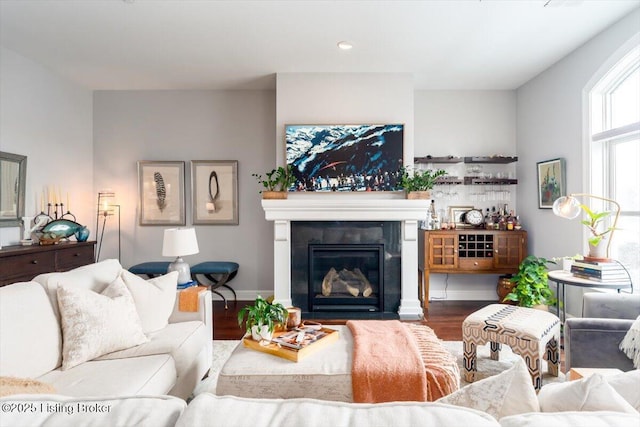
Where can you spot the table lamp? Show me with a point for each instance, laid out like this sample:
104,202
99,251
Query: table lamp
179,242
569,207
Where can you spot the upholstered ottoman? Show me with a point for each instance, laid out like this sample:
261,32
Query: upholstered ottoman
533,334
325,374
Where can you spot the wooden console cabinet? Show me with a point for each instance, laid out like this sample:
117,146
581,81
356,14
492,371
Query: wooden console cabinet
23,263
468,251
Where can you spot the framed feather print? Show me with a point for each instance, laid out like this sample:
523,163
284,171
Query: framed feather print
214,192
161,188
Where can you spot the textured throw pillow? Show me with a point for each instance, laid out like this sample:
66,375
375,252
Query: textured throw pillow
587,394
94,324
154,298
509,393
627,385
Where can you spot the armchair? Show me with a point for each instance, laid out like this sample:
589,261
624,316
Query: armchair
592,341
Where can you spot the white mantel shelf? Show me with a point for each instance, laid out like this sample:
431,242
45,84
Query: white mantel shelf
408,212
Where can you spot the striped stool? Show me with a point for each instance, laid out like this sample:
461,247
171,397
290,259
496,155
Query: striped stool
533,334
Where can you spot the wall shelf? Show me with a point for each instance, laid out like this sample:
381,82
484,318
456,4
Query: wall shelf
454,159
491,159
474,180
441,159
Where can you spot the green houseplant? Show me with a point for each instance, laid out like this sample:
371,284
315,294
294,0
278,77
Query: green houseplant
277,182
262,317
532,285
598,233
419,182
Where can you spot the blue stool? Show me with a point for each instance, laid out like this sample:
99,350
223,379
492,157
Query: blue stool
218,273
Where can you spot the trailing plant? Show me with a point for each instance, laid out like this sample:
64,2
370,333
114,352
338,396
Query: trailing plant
262,313
419,180
532,285
279,179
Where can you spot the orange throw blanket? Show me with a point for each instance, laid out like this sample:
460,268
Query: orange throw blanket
189,298
387,365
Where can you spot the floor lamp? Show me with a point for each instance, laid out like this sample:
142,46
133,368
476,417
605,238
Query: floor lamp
106,208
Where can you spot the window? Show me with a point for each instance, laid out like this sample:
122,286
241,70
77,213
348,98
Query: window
615,155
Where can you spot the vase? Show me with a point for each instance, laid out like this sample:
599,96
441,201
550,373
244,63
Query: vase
274,195
597,252
82,234
261,332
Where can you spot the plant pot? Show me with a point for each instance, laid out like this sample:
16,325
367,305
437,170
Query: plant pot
598,252
505,285
274,195
418,195
261,332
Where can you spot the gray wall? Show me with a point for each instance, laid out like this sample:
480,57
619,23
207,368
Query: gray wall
49,120
189,125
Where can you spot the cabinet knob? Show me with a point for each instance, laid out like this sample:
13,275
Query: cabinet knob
496,251
475,263
35,261
77,254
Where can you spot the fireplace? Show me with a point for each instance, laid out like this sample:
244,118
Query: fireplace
290,284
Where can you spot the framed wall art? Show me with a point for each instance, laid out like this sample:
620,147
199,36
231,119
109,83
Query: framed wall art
345,157
456,215
551,182
161,188
214,191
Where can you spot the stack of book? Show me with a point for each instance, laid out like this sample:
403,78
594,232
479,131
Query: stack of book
611,272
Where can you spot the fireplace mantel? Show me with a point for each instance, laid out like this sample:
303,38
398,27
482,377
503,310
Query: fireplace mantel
327,208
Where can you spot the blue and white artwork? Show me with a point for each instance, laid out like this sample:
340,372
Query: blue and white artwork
345,157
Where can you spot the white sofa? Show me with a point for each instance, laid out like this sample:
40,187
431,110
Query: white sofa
172,362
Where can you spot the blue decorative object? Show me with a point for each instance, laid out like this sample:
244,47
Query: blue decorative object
62,227
82,234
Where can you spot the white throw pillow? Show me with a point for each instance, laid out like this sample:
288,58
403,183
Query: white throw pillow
509,393
154,298
627,384
94,324
587,394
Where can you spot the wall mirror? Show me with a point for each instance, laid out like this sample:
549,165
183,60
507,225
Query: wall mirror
13,180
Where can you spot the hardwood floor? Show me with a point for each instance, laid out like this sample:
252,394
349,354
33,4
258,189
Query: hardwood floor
444,317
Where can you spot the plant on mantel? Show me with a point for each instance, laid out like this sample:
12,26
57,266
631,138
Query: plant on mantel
277,181
419,181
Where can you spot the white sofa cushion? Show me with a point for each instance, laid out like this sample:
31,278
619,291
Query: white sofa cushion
95,277
154,298
183,341
495,395
95,324
120,377
62,411
587,394
31,338
228,411
627,385
571,419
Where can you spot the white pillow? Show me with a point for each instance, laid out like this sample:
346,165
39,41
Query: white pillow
94,324
587,394
627,384
154,298
510,392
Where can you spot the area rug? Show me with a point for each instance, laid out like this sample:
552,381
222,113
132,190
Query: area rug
486,367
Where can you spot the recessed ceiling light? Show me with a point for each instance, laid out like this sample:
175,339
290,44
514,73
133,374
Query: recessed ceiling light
344,45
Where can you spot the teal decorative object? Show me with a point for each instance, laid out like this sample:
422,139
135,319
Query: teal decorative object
82,234
62,227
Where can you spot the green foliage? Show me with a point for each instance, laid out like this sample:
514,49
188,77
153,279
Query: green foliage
419,180
262,313
532,285
279,179
594,221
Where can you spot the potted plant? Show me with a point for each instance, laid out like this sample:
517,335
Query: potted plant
277,182
532,287
262,318
418,183
597,246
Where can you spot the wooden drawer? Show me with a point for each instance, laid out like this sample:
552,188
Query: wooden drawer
475,263
74,257
26,267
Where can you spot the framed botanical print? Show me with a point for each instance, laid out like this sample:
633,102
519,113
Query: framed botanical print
551,182
161,188
214,192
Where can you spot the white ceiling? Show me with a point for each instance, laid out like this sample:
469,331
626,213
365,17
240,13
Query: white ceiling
207,44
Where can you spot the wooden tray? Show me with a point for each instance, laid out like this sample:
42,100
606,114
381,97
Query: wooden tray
290,353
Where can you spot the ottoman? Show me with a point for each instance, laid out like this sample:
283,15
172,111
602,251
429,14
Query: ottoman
531,333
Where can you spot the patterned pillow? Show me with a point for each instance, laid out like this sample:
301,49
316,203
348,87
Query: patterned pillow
94,324
509,393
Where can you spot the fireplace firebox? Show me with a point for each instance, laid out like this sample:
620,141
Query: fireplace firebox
346,277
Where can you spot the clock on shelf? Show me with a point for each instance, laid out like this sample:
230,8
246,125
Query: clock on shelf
474,217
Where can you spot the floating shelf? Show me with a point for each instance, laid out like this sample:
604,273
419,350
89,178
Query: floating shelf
443,159
449,180
491,159
474,180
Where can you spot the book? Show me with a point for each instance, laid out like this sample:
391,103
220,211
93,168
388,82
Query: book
597,265
299,337
621,280
324,337
620,272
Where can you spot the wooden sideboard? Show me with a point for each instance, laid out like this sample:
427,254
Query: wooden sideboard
468,251
23,263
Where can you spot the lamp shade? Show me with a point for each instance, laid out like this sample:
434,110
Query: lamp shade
179,242
566,207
